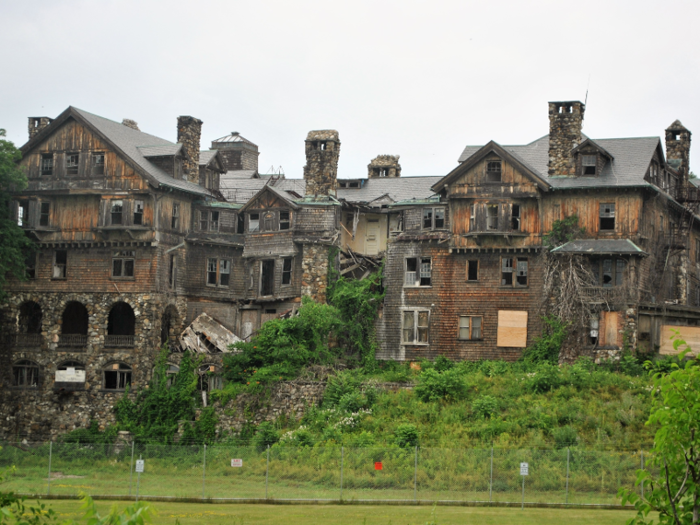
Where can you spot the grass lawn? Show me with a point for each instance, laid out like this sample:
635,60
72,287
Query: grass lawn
234,514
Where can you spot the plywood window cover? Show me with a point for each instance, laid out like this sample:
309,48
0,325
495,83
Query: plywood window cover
512,329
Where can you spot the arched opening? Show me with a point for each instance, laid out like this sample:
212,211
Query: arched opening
121,325
116,376
29,324
25,374
74,325
168,326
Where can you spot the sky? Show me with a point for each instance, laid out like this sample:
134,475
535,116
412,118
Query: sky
419,79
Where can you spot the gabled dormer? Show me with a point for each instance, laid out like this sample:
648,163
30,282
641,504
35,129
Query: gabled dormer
590,158
270,210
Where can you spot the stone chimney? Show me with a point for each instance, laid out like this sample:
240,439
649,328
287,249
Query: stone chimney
321,170
384,166
36,124
130,124
189,132
678,149
565,123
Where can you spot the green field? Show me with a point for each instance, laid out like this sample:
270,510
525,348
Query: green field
215,514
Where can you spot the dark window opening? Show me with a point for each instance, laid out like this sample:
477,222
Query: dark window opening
493,171
23,213
607,216
287,271
427,218
588,162
138,213
609,272
116,377
472,270
418,272
74,319
212,272
218,272
60,262
123,264
284,220
44,213
270,311
116,212
492,217
171,272
30,316
506,272
439,218
267,277
72,162
30,266
25,374
98,163
240,224
254,222
167,324
175,220
214,221
515,218
208,379
521,272
47,164
121,320
224,272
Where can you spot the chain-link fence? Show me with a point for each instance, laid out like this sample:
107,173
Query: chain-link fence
555,477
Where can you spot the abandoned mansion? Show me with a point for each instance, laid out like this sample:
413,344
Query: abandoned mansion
141,241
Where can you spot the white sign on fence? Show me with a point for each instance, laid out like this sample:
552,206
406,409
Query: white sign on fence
524,469
236,462
139,465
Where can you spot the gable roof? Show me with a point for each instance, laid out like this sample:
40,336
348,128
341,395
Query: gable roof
395,188
591,142
125,141
277,193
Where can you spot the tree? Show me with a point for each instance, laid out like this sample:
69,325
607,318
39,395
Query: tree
14,244
675,492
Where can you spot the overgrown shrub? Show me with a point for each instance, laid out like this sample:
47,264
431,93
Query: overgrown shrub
352,401
266,436
547,377
339,385
565,436
435,386
546,347
406,435
485,406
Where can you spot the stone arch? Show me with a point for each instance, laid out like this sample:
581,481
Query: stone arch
169,323
29,318
74,319
121,319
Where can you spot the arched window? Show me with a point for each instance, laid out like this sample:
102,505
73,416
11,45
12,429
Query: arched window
209,378
29,324
25,374
70,375
121,325
74,325
116,376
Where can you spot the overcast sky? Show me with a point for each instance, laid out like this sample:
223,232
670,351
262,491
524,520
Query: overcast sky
420,79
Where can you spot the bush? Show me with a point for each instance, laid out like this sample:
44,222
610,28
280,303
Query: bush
338,386
436,386
266,436
352,402
565,436
485,406
547,377
546,347
406,435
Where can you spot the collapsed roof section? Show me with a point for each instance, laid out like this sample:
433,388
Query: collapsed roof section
205,335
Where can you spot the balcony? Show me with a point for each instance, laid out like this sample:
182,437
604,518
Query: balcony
609,294
24,340
119,341
72,340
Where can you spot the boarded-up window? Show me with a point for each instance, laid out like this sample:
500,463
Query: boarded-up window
690,334
512,329
610,320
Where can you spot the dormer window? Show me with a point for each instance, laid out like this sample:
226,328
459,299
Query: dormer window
493,171
589,165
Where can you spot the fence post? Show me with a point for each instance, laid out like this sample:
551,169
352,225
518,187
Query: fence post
267,469
131,468
491,477
342,459
204,469
48,492
415,477
641,453
568,453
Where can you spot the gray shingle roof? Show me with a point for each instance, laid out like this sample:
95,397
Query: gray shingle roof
398,189
205,157
601,247
129,141
631,160
167,150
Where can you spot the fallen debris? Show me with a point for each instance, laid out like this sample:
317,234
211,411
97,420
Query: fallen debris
205,335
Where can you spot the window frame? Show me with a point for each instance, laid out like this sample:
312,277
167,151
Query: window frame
516,224
30,266
45,214
415,329
97,168
124,376
23,219
286,222
493,174
24,365
617,272
517,265
172,271
123,257
62,268
175,219
469,262
490,218
606,215
586,165
47,164
432,218
470,327
287,272
255,222
137,216
419,272
221,267
118,215
72,163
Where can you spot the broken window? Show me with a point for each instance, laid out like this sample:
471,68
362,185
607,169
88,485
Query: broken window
72,161
269,222
171,272
116,376
224,272
473,270
218,272
427,218
588,164
521,272
117,212
123,264
287,270
609,272
44,214
175,220
98,163
506,271
492,217
170,374
433,218
214,221
415,327
23,213
138,213
517,266
418,271
47,164
25,374
285,221
253,222
607,217
515,218
470,327
267,277
240,224
60,260
493,171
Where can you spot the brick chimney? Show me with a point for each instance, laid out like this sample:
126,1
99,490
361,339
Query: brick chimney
321,170
565,124
36,124
189,132
384,166
678,149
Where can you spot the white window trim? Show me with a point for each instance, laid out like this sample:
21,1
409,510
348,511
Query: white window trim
415,326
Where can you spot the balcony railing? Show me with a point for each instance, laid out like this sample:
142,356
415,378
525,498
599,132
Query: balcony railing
75,340
23,339
611,294
119,341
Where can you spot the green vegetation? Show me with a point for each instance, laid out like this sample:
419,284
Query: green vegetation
563,231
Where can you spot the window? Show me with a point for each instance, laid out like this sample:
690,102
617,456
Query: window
492,217
123,264
138,213
23,213
267,277
515,218
72,162
70,375
47,164
517,266
25,374
285,222
269,221
607,217
44,213
175,221
254,222
472,270
472,218
287,271
433,218
171,271
116,211
415,327
418,271
493,171
609,272
469,327
214,221
218,272
204,220
30,266
116,376
98,163
209,379
60,259
588,164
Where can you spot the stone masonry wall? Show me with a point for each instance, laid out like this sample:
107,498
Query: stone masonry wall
321,170
565,123
314,268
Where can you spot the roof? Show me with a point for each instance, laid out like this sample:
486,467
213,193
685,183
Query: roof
206,156
242,190
601,247
234,136
631,161
396,188
167,150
